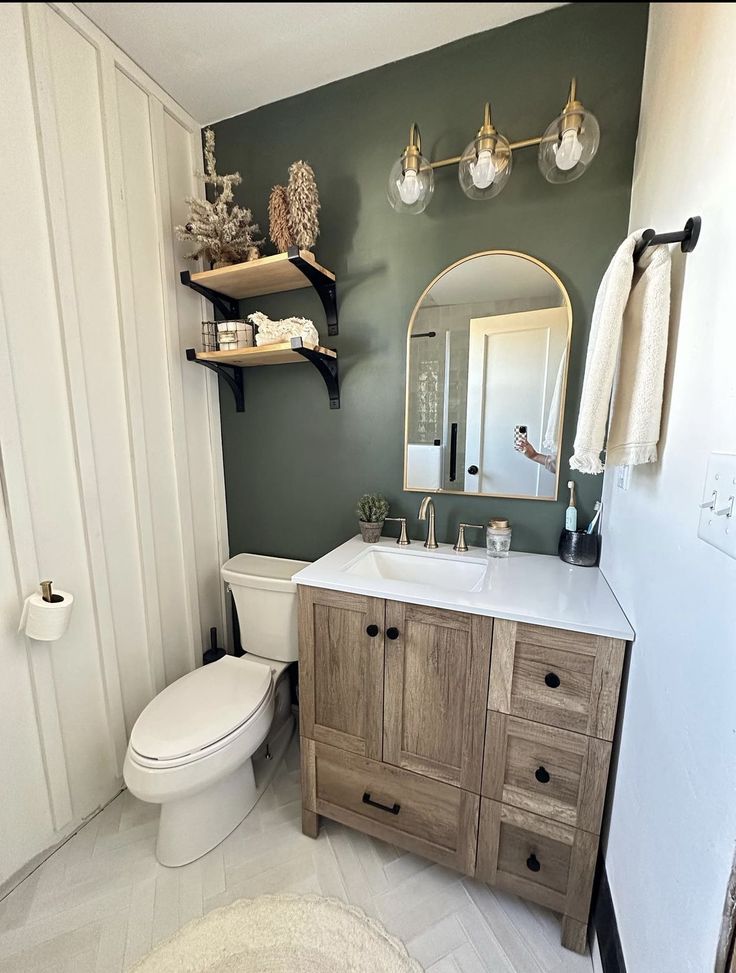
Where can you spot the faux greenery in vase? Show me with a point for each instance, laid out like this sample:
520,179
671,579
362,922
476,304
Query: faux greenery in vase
372,510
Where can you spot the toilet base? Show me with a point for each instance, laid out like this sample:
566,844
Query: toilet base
190,827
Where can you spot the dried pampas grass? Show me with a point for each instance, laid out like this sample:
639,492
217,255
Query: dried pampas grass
278,219
303,202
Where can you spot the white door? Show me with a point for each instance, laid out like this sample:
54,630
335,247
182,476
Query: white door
512,368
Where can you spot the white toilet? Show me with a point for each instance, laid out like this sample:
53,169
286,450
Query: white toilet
208,745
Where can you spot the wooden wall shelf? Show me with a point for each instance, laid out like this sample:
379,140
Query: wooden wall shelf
229,364
289,271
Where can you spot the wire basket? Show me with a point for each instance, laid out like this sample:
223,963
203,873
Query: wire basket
226,335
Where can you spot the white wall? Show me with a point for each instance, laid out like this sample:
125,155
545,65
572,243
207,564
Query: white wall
109,439
673,825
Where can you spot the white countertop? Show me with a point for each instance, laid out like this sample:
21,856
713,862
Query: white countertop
536,588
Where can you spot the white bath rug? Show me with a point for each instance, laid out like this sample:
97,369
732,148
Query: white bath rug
282,934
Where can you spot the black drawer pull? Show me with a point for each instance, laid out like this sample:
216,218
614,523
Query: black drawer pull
552,680
394,809
542,775
532,863
372,630
392,633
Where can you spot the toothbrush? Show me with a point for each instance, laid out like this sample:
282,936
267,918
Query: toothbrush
594,521
571,514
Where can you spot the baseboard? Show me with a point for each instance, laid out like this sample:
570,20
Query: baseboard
17,878
605,925
595,952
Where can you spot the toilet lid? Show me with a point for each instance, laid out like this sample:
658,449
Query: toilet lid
201,708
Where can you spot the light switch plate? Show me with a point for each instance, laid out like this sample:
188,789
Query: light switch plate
623,477
716,526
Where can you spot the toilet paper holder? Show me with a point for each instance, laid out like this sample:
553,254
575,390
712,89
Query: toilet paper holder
46,616
48,595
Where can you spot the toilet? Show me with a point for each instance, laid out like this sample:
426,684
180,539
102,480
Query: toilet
208,745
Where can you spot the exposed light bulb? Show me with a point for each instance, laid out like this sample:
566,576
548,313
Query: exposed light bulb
409,187
483,171
569,150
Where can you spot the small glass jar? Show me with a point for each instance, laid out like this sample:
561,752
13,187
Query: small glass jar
498,538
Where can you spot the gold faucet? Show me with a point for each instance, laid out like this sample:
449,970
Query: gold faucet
427,504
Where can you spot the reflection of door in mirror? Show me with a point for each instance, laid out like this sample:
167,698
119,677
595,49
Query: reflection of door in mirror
515,368
487,353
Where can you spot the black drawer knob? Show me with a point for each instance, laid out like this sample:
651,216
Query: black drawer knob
392,633
552,680
372,630
532,863
473,470
542,775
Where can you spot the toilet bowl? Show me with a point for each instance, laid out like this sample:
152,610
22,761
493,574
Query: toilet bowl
208,745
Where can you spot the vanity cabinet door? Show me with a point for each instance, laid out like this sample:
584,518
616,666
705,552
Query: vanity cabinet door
341,669
437,669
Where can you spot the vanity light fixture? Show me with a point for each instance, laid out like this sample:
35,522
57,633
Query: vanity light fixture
570,143
411,180
485,165
565,151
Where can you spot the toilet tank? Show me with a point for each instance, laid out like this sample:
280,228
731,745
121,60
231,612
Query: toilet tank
265,600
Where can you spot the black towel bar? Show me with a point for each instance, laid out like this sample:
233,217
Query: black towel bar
687,238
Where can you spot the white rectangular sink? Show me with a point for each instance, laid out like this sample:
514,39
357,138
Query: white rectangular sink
448,572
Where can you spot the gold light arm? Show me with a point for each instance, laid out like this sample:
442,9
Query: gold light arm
572,105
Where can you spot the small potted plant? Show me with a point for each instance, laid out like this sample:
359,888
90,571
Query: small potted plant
372,510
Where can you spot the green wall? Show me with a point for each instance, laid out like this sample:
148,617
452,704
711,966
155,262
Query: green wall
293,467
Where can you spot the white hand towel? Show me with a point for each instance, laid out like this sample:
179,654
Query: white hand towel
635,320
552,431
637,399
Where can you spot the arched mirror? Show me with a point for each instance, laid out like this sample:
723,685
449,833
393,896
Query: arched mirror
486,376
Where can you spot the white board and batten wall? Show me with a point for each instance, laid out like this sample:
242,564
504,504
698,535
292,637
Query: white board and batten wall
673,821
109,440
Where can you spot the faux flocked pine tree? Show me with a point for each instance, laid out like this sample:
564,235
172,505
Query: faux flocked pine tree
220,231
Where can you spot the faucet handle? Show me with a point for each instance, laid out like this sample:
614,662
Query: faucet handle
460,544
403,538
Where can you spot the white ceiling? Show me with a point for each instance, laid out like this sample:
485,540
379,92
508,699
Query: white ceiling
221,59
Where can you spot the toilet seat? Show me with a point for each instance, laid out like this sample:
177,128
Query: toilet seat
200,713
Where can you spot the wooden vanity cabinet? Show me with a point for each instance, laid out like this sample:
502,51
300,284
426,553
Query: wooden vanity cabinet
481,744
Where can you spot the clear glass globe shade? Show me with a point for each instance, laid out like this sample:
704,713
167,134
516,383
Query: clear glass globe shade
565,153
410,191
483,172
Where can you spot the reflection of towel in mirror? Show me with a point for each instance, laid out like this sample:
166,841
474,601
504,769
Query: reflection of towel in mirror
635,318
423,466
552,432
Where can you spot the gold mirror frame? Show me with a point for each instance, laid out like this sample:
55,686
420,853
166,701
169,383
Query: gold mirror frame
417,306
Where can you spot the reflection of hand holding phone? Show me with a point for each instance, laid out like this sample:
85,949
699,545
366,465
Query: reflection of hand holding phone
519,438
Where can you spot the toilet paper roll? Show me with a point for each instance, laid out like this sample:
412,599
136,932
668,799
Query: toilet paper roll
44,620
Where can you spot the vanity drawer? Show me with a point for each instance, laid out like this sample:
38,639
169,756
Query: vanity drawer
425,816
552,772
539,859
552,676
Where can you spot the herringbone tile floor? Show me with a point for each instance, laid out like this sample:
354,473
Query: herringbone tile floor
102,901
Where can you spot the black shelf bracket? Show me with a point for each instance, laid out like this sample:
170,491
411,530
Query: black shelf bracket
230,373
325,365
325,287
227,306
